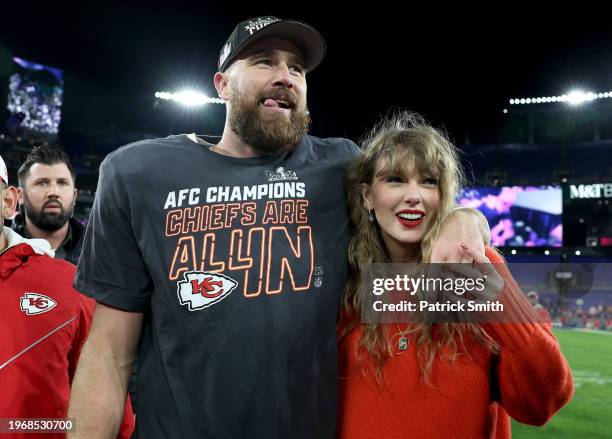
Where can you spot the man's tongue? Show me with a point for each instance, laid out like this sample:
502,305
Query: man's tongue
271,103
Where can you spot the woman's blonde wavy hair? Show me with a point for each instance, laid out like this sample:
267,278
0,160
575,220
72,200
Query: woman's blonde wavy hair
405,141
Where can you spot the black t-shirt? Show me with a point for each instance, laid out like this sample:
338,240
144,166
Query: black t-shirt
238,266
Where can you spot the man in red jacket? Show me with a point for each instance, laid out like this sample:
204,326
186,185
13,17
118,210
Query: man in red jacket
543,313
43,325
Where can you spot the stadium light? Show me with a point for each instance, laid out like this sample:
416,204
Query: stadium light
546,252
578,97
188,98
513,252
574,98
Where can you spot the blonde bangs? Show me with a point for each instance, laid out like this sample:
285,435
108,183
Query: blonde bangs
405,158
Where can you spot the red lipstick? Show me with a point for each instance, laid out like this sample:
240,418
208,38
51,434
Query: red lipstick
410,217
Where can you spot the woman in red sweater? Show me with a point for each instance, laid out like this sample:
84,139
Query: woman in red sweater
433,380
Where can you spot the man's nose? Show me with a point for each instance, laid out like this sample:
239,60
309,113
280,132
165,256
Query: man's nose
53,190
283,76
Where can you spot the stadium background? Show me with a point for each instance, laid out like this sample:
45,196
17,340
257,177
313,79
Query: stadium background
459,71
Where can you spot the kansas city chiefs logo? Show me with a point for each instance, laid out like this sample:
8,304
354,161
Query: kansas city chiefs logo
202,289
32,304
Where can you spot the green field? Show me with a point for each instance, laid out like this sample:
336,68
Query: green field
589,414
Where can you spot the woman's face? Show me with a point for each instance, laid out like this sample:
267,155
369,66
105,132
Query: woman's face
403,205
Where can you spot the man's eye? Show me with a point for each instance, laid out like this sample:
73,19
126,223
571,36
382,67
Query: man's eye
265,62
298,70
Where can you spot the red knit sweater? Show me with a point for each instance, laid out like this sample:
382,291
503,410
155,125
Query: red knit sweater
470,397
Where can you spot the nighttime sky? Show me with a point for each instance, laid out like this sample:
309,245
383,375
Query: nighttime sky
458,69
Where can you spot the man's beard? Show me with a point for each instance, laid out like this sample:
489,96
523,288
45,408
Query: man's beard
49,222
267,131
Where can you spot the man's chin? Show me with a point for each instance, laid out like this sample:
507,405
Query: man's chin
50,227
52,222
269,131
53,216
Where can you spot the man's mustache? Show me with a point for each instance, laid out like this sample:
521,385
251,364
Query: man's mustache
53,203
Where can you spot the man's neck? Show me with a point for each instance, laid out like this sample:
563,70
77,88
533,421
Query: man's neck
3,240
55,238
231,145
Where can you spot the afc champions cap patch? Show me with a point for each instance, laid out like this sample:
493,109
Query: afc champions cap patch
306,38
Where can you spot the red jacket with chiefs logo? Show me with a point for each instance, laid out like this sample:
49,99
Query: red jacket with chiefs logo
43,325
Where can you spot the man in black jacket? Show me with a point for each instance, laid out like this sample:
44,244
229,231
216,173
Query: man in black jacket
47,195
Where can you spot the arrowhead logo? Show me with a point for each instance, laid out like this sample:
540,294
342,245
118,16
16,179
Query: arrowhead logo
201,289
33,303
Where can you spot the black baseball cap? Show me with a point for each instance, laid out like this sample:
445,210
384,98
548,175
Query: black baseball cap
305,37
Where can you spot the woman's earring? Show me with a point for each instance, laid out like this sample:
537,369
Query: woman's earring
370,216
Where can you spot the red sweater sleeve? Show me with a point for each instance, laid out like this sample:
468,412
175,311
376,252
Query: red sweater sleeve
533,378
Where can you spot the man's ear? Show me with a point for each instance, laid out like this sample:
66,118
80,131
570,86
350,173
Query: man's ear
366,195
222,84
20,195
9,201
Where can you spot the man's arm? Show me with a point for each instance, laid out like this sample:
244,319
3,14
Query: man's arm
100,385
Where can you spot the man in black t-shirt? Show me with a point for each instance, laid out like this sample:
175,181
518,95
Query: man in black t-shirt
223,265
226,261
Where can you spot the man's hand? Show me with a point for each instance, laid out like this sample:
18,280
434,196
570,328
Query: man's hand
462,226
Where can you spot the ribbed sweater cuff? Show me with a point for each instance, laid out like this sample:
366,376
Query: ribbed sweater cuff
518,321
